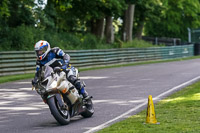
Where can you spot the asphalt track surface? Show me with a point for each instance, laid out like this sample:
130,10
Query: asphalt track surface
118,93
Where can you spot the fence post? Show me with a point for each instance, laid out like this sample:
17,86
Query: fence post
156,40
189,35
174,41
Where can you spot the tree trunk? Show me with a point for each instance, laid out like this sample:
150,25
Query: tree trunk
128,23
100,28
93,26
97,28
140,27
109,30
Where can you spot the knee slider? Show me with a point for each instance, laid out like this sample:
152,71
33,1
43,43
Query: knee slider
77,84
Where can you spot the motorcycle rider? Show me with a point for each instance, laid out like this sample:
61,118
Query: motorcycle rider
47,56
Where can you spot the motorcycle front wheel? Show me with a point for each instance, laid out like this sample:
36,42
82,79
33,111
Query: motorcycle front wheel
62,116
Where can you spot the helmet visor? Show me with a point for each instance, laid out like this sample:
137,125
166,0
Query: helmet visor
41,51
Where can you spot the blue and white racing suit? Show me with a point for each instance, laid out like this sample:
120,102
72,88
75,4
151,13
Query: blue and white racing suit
57,58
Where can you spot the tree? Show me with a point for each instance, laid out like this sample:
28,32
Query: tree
13,14
128,23
136,15
97,27
56,15
96,12
20,13
82,16
109,30
4,13
175,18
113,9
146,10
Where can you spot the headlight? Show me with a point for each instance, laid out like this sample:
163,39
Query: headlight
52,86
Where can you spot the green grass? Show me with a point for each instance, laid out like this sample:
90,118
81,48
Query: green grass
179,113
26,76
15,77
139,44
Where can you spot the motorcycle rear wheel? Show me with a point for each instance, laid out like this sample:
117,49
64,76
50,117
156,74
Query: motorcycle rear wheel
62,116
89,109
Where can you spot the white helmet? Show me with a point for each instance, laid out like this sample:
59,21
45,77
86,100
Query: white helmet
42,48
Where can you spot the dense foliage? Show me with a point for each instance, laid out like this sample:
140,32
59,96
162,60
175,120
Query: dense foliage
175,18
83,24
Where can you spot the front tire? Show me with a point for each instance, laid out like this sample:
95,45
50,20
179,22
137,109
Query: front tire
62,116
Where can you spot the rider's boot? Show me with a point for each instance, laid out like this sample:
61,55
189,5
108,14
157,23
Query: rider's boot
80,86
84,92
81,89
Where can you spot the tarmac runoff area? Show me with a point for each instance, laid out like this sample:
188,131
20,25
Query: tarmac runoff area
118,93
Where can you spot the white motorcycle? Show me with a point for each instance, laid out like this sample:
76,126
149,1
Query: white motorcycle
62,97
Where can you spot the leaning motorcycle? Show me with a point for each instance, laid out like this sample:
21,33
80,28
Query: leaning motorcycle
62,97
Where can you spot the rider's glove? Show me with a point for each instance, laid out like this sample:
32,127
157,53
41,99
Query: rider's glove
65,65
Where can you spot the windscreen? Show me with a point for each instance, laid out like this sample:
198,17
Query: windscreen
47,72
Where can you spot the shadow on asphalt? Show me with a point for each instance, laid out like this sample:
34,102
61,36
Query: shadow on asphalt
54,123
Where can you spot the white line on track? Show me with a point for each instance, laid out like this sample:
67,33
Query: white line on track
94,129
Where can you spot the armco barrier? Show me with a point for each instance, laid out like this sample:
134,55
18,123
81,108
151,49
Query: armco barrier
21,62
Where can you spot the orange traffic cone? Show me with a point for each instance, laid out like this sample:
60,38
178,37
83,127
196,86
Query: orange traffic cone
151,116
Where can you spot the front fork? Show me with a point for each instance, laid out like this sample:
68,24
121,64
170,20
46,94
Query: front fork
59,99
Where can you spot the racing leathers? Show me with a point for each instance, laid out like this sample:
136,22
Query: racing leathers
57,58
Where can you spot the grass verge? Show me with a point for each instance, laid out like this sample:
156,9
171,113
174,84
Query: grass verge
26,76
178,113
15,77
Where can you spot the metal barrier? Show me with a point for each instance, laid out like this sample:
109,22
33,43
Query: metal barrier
21,62
163,40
